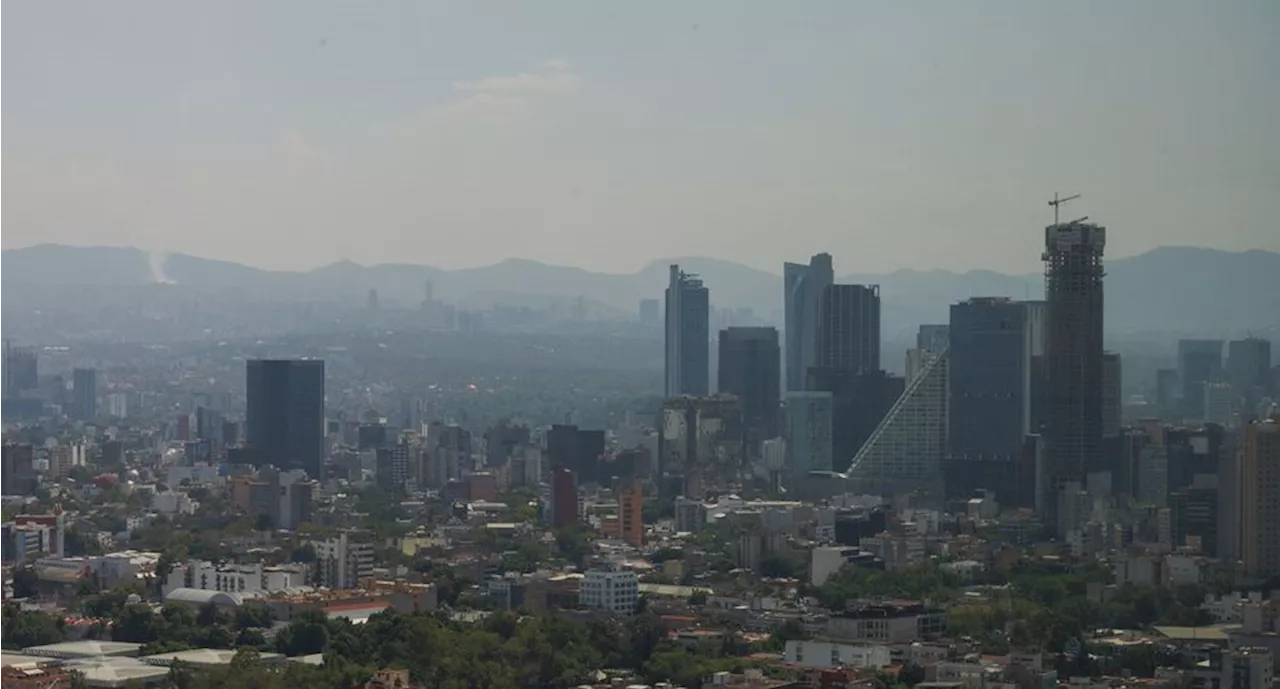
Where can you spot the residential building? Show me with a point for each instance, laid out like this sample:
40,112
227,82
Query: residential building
343,561
631,514
236,578
1073,416
688,335
613,590
816,653
750,369
803,286
285,413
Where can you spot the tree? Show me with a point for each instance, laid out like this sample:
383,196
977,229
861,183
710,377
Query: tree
136,624
23,629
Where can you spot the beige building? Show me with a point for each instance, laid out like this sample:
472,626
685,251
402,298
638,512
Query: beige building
1260,498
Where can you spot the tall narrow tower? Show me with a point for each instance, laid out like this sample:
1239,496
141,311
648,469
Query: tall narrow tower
688,338
1073,415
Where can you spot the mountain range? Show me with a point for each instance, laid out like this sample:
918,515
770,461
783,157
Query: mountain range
1168,290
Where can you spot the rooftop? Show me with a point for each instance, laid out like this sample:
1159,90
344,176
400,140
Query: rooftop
83,649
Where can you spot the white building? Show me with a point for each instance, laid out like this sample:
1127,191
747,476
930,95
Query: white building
1249,667
614,591
235,578
170,502
830,654
342,561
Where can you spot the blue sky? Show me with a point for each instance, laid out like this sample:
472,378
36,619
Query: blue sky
604,135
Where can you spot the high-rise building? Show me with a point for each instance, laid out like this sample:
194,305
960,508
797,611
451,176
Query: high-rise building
650,311
849,327
809,424
860,400
1168,392
285,413
1073,424
803,286
564,498
392,468
688,337
1199,362
1249,369
631,514
343,561
84,394
21,371
578,450
750,369
699,438
18,468
905,451
990,400
1260,499
1112,386
933,337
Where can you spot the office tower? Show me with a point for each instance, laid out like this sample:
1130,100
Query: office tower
905,451
1112,384
1219,403
392,468
1260,499
1199,362
84,394
1249,369
371,301
19,474
750,369
1168,392
649,311
688,339
285,413
1073,356
578,450
849,327
631,514
989,390
564,498
21,371
860,400
802,296
1195,512
809,419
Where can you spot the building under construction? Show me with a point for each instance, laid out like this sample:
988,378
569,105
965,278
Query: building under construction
1073,366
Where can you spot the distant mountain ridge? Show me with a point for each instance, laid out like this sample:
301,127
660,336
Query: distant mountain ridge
1168,289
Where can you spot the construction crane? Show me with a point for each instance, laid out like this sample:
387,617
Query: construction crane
1056,202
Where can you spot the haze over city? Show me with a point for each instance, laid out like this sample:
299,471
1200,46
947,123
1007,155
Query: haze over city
606,136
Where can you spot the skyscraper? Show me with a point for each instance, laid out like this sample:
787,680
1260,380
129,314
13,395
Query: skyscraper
802,295
809,417
990,401
849,327
860,400
1073,357
84,394
1199,362
1249,368
905,451
688,338
1260,499
750,368
649,311
285,413
21,371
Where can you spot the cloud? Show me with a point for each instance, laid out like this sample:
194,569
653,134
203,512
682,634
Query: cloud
549,76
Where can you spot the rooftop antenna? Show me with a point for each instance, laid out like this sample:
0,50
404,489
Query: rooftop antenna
1056,202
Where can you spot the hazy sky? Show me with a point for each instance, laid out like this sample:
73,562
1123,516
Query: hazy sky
607,134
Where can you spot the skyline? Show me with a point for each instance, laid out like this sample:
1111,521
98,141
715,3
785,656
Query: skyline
607,138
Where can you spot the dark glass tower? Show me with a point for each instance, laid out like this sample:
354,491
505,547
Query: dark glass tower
750,368
802,295
849,328
285,413
688,338
84,393
1073,416
990,397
